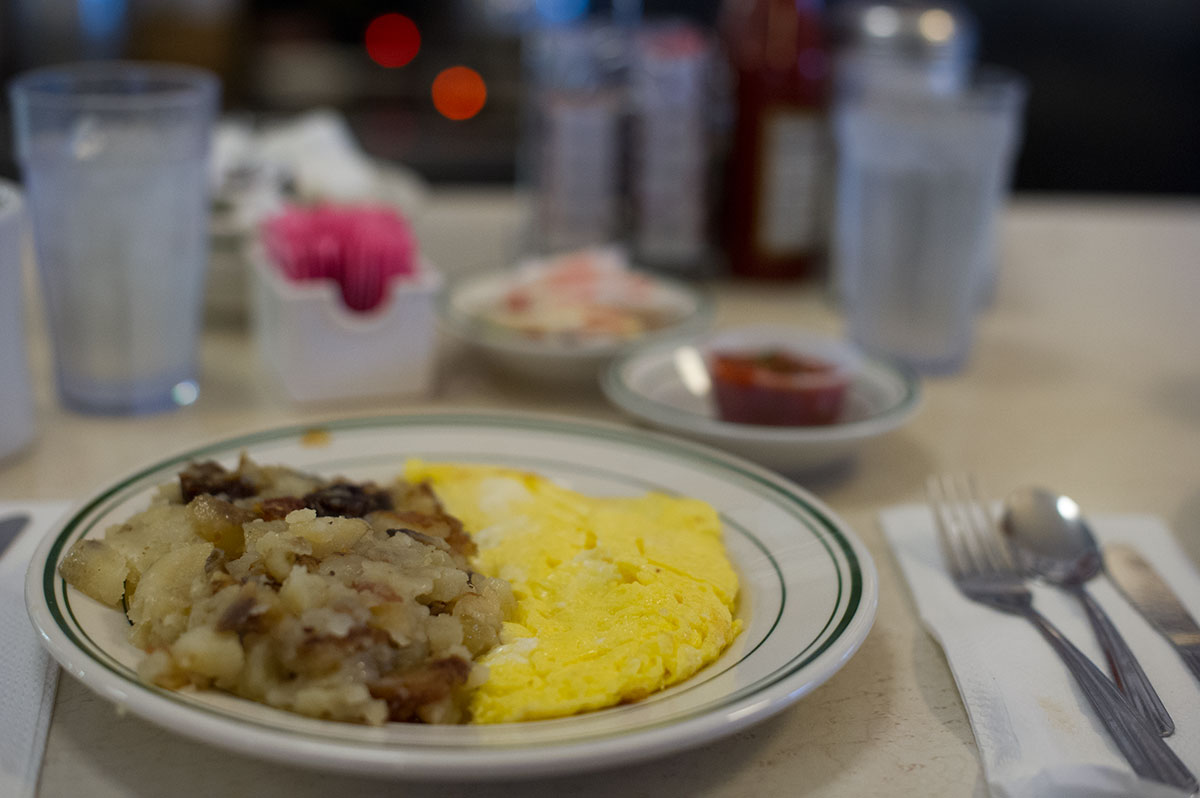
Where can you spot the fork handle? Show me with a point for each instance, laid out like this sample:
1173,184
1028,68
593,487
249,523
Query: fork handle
1126,670
1147,754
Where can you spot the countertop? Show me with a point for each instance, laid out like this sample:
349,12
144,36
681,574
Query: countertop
1084,376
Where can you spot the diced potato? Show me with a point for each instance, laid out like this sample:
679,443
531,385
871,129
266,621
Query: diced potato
395,618
445,635
383,576
334,700
261,671
220,523
210,653
97,569
326,535
152,533
279,480
302,590
278,551
159,609
449,585
475,613
159,668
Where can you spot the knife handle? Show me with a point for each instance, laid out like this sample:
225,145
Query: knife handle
1191,657
1126,670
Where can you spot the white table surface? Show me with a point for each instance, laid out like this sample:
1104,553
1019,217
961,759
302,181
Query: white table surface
1085,376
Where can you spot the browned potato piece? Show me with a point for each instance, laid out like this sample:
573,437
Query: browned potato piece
220,523
97,569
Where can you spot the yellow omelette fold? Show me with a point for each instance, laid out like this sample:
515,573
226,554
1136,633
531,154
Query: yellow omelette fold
617,597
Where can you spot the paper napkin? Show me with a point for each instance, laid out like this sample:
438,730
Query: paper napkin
1036,733
28,675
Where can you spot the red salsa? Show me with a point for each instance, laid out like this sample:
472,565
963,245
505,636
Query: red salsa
778,388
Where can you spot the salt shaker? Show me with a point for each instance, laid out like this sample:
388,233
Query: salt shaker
671,147
895,51
572,134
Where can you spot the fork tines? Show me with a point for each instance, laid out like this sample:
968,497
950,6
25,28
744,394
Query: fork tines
967,533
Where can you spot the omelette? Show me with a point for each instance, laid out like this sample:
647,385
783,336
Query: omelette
617,597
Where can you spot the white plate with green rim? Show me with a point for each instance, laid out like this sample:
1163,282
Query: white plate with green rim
651,384
808,599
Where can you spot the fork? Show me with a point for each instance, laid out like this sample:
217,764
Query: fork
983,569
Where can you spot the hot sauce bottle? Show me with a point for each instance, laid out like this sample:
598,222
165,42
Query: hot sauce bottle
779,159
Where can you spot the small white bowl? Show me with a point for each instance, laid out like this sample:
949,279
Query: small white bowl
464,304
665,385
321,351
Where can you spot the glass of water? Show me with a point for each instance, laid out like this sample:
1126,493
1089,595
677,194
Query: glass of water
921,184
114,158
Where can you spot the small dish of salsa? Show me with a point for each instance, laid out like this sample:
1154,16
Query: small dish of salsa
760,375
777,387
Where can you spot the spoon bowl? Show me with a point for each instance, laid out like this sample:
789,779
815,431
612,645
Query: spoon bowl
1050,536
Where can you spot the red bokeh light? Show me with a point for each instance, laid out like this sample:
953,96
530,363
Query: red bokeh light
459,93
392,40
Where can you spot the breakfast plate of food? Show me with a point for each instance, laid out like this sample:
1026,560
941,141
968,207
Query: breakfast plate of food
452,595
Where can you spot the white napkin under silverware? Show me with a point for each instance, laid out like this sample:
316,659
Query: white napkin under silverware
1036,733
29,676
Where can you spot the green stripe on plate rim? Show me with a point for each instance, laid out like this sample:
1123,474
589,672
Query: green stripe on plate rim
764,486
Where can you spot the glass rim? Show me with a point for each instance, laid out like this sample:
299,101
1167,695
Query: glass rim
67,85
993,92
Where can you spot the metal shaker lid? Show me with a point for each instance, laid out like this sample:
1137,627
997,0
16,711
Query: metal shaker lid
913,30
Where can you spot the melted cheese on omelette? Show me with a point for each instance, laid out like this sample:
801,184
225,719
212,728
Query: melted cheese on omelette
616,597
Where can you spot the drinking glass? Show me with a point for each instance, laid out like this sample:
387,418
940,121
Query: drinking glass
114,157
921,184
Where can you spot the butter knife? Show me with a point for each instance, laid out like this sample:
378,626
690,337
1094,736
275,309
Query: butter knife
10,527
1147,591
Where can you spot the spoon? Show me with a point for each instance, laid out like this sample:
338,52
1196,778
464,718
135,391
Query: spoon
1051,538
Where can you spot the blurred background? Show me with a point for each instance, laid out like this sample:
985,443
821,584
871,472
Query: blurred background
1114,104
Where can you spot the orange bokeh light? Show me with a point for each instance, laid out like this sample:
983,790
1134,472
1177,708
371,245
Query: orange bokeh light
459,92
392,40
